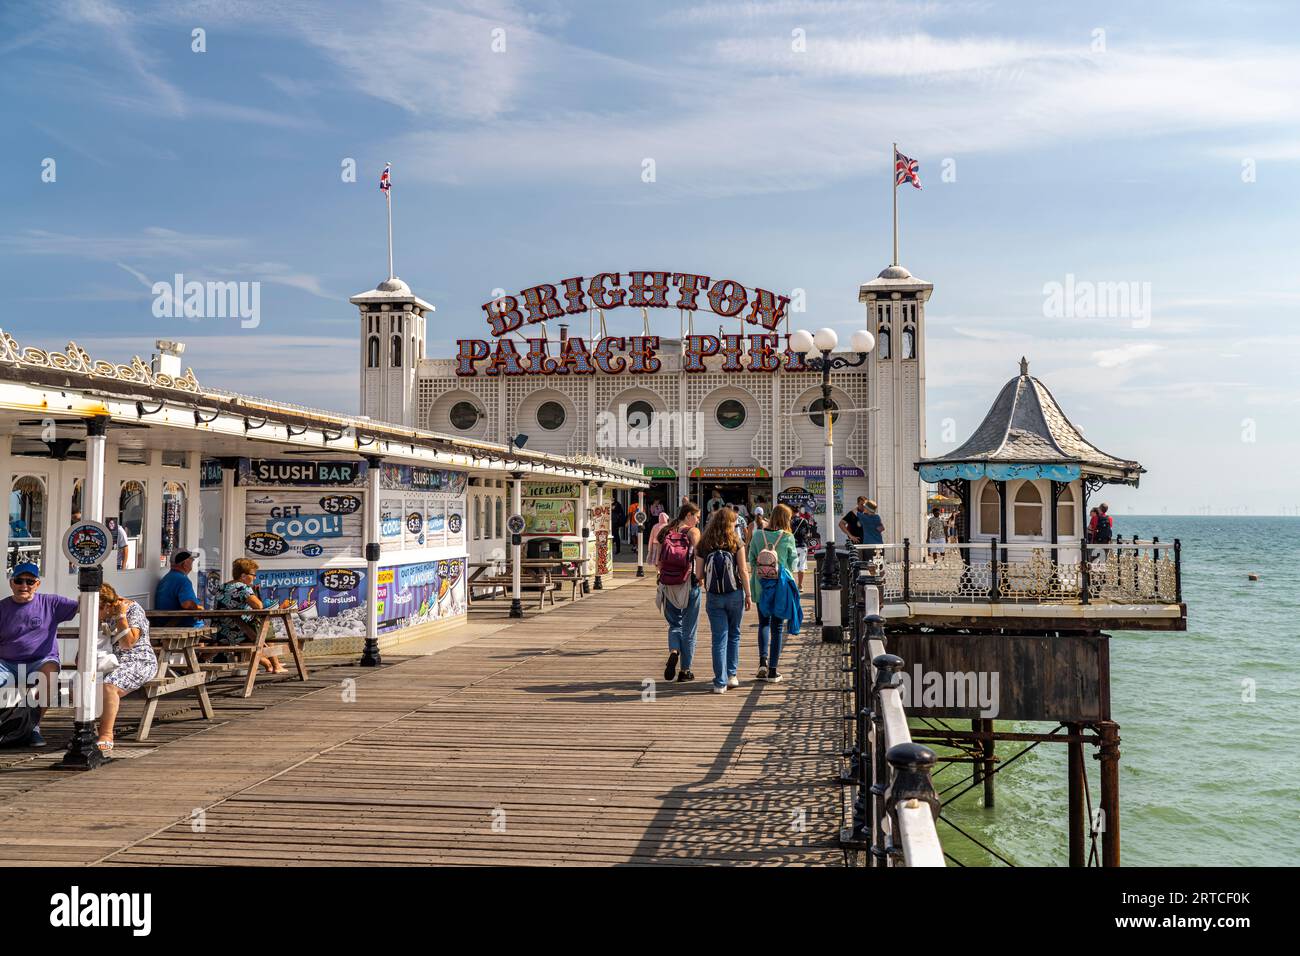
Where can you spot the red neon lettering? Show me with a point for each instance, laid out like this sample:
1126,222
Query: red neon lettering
503,314
602,298
468,352
729,291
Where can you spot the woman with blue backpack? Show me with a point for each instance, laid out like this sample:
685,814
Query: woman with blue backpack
720,564
774,557
678,595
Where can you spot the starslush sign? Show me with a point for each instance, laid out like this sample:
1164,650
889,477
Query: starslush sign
615,354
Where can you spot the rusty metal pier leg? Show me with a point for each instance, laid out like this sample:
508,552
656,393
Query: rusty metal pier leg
1077,783
988,764
1109,756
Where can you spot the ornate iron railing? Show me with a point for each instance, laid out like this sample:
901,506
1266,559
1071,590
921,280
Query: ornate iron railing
886,775
1125,572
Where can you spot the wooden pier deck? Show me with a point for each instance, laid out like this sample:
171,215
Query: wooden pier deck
529,743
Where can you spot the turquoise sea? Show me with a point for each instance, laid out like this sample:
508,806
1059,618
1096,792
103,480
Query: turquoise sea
1207,776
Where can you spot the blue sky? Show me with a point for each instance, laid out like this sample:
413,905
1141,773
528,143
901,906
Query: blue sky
1115,142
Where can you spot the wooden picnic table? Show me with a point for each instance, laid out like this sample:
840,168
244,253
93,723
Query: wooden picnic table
173,675
259,630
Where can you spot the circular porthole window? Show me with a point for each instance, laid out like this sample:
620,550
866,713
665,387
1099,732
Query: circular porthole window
464,415
731,413
816,409
639,414
550,415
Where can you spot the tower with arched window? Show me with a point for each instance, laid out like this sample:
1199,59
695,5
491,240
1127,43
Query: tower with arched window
392,347
895,302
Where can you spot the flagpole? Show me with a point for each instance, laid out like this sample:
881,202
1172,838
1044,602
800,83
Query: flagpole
388,194
894,180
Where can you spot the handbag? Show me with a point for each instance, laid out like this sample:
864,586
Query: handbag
105,659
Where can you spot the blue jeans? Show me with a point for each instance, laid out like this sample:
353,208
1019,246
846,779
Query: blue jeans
681,628
725,611
770,630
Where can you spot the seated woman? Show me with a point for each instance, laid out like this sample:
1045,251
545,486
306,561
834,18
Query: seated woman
124,622
236,595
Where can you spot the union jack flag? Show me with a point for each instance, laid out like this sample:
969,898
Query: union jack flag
905,170
385,183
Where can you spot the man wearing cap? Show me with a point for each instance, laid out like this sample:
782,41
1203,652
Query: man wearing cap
175,591
29,629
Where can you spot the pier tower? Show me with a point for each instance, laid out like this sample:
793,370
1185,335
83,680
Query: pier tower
392,346
895,301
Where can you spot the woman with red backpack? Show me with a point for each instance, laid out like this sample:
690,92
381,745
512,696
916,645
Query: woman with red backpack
678,595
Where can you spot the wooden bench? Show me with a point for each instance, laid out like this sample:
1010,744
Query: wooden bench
263,641
173,676
506,583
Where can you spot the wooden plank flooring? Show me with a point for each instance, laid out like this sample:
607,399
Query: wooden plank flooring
532,744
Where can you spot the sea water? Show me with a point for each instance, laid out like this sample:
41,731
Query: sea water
1210,755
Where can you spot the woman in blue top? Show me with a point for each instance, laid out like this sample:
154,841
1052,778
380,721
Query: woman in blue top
777,537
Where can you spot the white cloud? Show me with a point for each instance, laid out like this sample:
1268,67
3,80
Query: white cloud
1111,358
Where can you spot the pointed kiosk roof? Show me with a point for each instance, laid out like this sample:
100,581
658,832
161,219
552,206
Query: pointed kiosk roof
1024,428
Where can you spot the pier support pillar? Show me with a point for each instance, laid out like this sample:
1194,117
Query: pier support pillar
1109,756
1074,771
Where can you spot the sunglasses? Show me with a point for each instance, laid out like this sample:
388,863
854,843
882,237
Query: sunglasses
25,582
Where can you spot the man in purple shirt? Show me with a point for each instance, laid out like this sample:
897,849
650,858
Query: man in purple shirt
29,624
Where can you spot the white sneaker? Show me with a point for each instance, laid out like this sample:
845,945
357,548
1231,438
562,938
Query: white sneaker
719,690
733,681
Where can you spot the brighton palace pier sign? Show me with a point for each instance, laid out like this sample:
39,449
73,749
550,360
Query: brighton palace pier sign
615,354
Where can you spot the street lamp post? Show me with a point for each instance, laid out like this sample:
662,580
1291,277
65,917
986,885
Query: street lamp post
825,340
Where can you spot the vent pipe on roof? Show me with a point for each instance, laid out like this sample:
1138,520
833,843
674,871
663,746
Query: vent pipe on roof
167,360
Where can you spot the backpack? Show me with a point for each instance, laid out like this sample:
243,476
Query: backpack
802,527
720,576
674,558
768,563
1103,529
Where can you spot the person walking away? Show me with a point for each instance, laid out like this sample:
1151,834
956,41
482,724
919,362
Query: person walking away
715,501
936,532
759,523
652,553
742,528
678,594
633,507
771,554
124,624
29,645
804,530
720,564
617,518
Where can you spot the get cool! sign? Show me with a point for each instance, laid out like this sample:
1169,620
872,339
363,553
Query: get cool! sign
306,523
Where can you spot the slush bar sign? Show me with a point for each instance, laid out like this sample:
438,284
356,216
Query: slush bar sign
271,471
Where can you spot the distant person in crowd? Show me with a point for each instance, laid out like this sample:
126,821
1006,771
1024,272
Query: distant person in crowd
742,526
804,530
851,523
760,506
873,528
656,509
1102,527
617,519
175,591
29,626
771,557
632,530
125,625
652,519
652,553
936,532
759,523
237,594
720,564
715,501
678,594
951,529
686,500
1090,532
119,540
